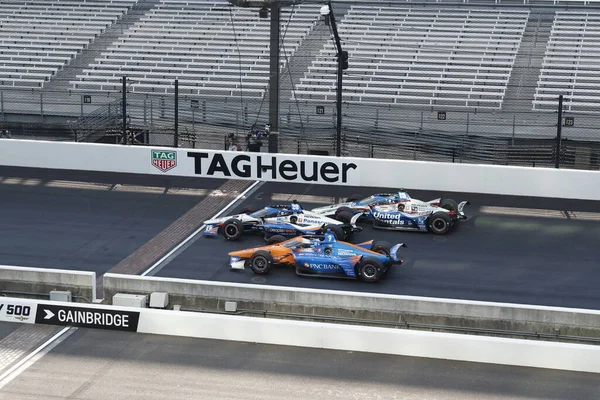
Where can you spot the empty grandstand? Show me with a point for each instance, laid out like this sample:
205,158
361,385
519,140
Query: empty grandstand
37,39
421,56
210,47
462,81
571,63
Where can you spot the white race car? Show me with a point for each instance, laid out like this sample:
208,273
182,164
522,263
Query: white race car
398,211
288,220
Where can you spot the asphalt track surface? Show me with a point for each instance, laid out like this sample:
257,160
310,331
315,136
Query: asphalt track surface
502,253
86,221
511,249
93,364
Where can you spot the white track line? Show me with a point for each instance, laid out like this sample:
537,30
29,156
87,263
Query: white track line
195,233
38,353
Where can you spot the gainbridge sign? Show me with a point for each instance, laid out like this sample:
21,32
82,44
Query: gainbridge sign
29,311
85,317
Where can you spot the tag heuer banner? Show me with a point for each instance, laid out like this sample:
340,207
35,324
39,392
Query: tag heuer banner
164,160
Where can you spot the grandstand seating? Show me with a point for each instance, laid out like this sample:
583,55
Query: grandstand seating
210,47
570,65
37,39
420,56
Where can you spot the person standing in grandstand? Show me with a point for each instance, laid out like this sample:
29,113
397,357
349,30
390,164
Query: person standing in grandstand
254,140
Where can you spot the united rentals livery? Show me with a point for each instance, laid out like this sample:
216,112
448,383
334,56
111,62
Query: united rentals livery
64,314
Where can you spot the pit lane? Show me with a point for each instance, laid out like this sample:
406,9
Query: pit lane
511,249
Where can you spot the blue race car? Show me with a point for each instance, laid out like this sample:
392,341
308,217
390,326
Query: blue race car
323,257
286,220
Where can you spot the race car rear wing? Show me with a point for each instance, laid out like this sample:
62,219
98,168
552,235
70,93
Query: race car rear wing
461,207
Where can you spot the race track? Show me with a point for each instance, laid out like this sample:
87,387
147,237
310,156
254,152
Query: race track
512,249
85,221
98,365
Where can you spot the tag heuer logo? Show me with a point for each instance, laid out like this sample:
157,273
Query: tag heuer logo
164,160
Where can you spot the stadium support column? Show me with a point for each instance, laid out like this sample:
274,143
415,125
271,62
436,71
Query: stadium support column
559,130
274,78
176,111
327,11
124,110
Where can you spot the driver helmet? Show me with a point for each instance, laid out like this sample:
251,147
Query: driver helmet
296,206
329,237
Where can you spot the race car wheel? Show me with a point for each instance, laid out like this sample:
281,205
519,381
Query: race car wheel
232,229
337,231
344,216
370,270
276,239
293,219
261,262
381,247
449,205
439,223
354,197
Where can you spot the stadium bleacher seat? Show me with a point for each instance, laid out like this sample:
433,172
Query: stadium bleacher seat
198,44
570,65
420,56
37,39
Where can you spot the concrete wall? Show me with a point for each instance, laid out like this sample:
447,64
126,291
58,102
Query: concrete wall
469,178
446,346
205,295
44,280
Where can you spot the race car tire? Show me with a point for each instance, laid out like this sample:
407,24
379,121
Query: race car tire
342,209
344,216
293,219
232,229
261,262
276,239
449,205
370,270
337,231
440,223
382,247
354,197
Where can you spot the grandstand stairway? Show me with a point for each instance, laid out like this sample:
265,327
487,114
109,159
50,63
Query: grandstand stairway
60,82
302,59
523,80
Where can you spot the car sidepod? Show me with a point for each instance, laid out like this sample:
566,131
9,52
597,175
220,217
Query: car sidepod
396,220
320,264
283,229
